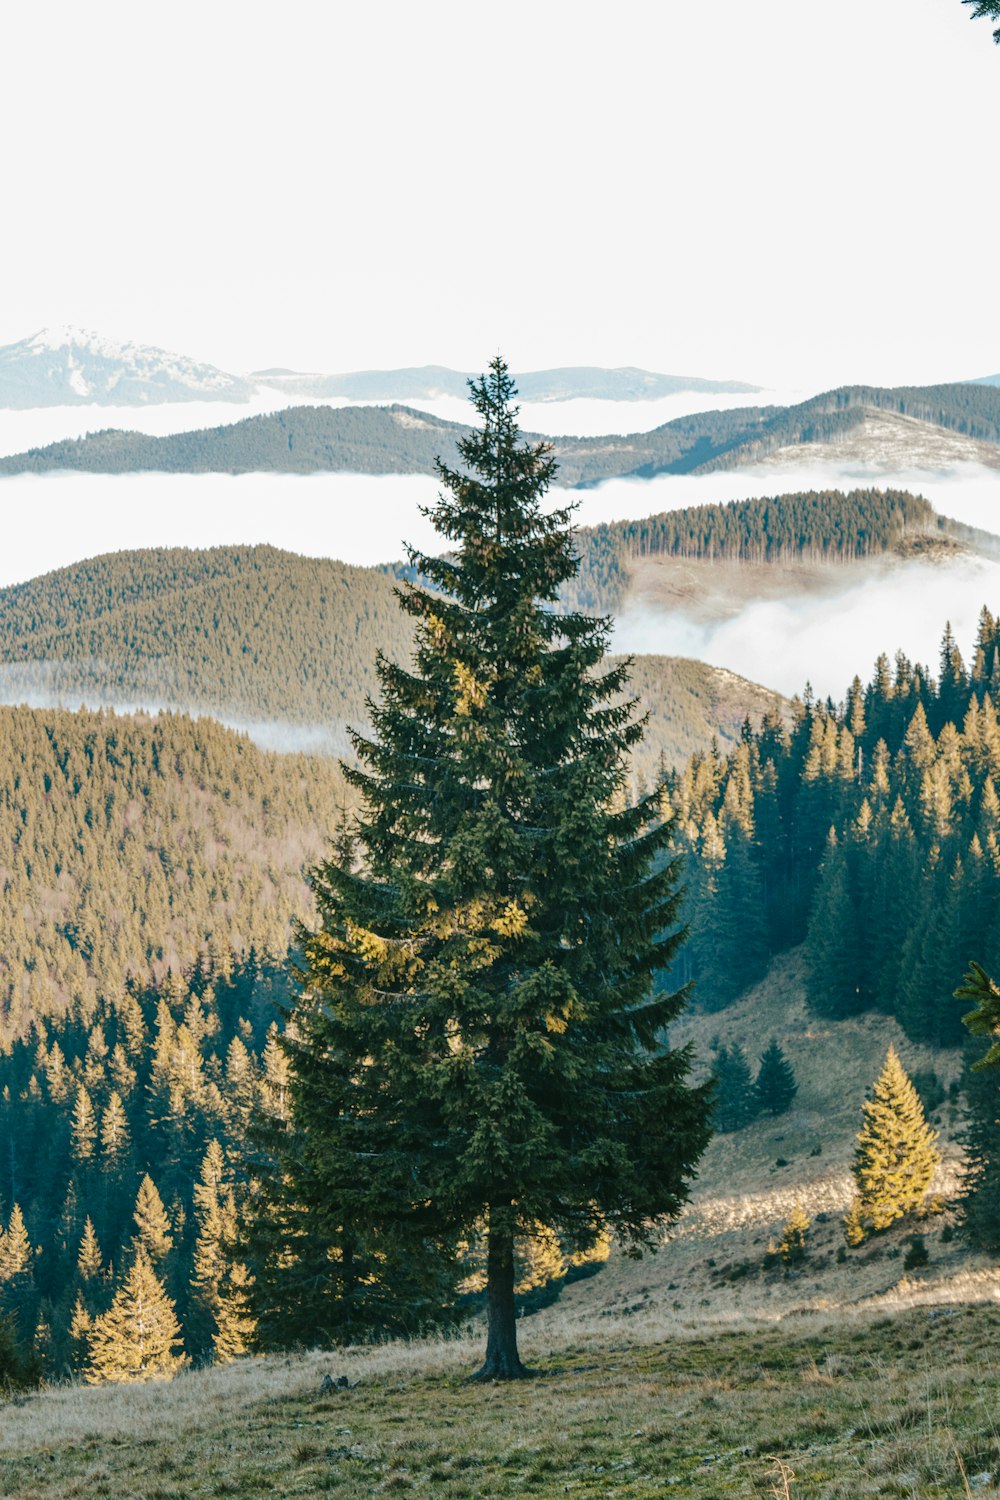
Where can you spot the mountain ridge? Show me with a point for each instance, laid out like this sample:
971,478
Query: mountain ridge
398,439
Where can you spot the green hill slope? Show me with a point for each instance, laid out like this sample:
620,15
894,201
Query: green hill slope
400,440
248,633
273,641
133,845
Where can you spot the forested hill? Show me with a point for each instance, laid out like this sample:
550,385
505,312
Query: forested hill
399,440
870,829
281,644
814,525
134,845
252,634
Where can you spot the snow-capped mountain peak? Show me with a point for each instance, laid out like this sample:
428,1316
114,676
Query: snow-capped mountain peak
64,366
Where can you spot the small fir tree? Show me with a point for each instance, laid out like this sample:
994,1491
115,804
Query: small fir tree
476,1036
794,1237
138,1338
153,1234
15,1249
89,1262
895,1158
235,1321
775,1086
114,1132
83,1127
735,1097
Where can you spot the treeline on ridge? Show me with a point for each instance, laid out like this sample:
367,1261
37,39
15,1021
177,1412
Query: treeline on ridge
813,525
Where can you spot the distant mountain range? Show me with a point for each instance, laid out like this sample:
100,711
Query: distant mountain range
399,440
425,382
74,367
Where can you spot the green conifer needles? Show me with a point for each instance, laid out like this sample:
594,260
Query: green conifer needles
985,1019
895,1158
477,1039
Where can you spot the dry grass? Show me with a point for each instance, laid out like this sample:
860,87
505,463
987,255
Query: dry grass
856,1407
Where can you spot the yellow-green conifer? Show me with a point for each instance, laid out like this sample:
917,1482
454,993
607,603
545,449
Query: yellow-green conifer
895,1158
152,1225
89,1262
138,1337
792,1245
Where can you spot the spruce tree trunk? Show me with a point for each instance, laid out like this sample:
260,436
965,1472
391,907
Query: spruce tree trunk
502,1359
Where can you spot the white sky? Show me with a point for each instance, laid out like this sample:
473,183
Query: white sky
789,193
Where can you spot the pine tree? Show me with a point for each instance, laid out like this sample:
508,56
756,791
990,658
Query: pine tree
735,1099
153,1234
980,1205
895,1158
83,1127
476,1034
138,1338
221,1319
114,1132
15,1249
775,1085
794,1236
89,1262
832,960
235,1321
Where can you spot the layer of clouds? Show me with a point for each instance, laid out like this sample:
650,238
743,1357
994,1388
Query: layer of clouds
71,685
53,520
828,638
56,520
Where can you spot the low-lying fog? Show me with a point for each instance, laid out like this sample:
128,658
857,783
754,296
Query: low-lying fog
53,520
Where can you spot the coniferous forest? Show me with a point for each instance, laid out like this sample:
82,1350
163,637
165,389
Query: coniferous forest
866,829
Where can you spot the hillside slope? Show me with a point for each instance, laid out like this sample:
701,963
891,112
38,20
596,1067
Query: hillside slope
400,440
133,845
281,644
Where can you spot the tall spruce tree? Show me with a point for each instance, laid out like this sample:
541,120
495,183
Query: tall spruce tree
981,1198
476,1038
